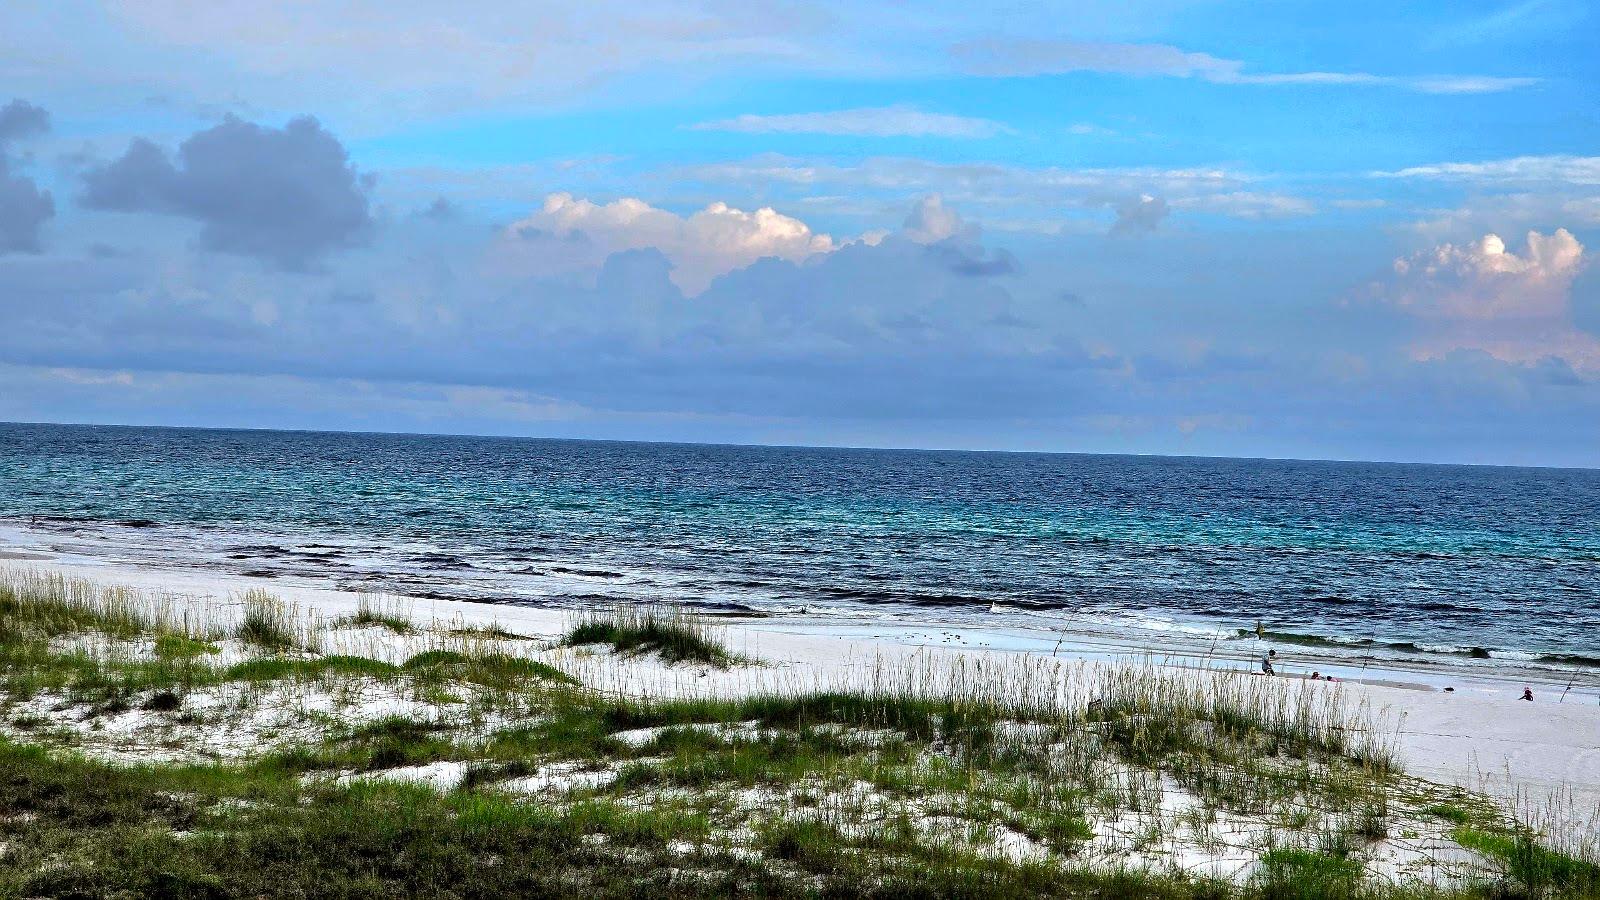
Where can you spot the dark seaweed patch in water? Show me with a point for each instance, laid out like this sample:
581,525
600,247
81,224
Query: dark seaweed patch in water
441,561
912,598
585,573
1571,659
425,594
259,573
138,523
589,599
245,551
1303,640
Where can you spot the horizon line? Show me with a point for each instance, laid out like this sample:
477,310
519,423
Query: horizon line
781,446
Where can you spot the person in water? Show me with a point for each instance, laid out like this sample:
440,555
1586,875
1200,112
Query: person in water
1266,662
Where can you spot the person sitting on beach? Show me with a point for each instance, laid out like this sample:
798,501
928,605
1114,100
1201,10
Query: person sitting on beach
1527,694
1266,662
1316,676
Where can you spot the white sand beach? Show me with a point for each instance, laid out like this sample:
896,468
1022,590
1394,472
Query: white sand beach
1544,754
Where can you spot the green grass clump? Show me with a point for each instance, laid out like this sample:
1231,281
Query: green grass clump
272,668
500,671
180,647
1449,812
267,622
676,635
1288,874
374,611
1540,870
488,633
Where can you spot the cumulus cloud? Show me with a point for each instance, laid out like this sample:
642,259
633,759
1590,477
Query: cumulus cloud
24,206
285,195
931,221
886,121
20,119
954,242
1005,57
711,242
1139,214
1482,296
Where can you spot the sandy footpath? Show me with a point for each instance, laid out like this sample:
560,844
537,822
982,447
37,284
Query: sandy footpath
1479,735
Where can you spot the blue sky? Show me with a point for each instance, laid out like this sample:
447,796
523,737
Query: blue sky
1293,229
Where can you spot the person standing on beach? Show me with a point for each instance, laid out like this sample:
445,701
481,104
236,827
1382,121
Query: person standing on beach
1266,662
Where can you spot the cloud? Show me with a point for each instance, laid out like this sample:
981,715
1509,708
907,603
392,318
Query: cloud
1248,205
24,206
421,58
1014,58
711,242
1528,18
440,210
1482,296
1048,198
1551,169
885,121
931,221
20,119
285,195
1140,214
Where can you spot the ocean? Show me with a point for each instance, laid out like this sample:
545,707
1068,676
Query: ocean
1431,561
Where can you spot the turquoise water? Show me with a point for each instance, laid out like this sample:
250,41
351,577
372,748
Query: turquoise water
1424,559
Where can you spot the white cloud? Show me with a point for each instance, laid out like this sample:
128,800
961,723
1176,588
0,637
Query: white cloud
1565,169
885,121
1482,296
1003,57
1483,280
1052,198
931,221
701,246
1248,205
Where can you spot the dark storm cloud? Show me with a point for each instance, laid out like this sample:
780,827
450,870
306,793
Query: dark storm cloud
440,210
973,261
20,119
24,207
288,196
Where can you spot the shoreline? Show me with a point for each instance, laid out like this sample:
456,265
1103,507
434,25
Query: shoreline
1479,735
1088,637
1539,759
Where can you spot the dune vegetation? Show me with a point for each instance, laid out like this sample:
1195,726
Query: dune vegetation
152,747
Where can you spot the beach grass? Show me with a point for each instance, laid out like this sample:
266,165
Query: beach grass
378,611
673,633
480,764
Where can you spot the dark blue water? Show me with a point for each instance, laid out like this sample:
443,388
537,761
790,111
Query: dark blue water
1441,557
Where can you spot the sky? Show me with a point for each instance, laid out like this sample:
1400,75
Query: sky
1296,229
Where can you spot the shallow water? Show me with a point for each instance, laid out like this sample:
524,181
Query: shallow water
1375,558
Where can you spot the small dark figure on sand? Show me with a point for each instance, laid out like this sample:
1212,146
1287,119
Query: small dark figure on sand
1527,694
